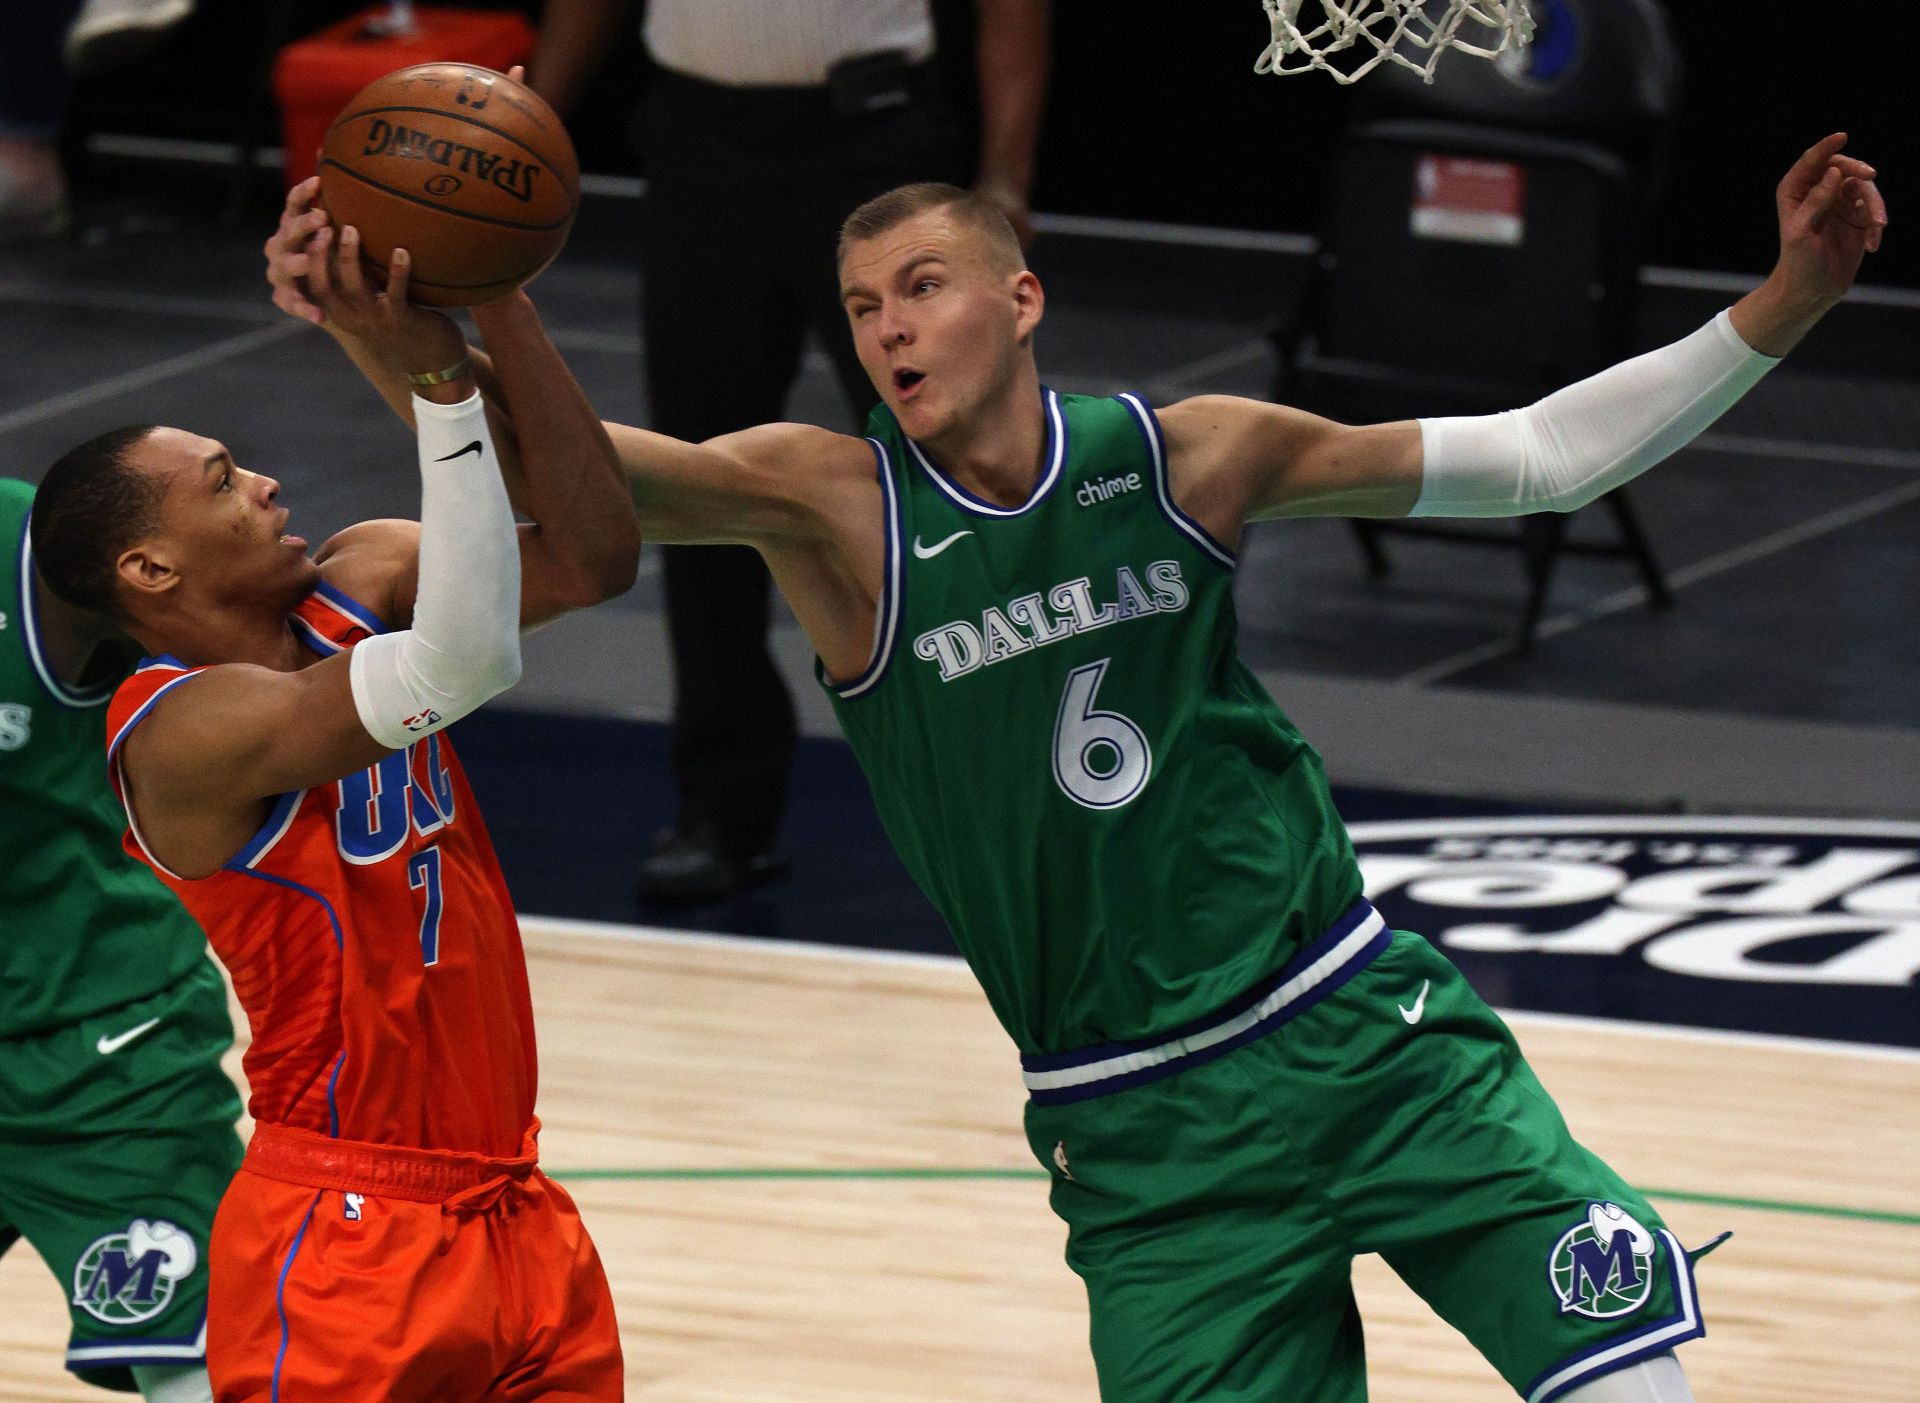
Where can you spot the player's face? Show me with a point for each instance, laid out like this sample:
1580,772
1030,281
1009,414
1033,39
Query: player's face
222,530
940,331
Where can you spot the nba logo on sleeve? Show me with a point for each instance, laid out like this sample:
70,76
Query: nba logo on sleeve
1603,1266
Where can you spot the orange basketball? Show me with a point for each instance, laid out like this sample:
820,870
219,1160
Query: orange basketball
469,171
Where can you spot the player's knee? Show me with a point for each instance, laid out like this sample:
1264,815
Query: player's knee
1655,1380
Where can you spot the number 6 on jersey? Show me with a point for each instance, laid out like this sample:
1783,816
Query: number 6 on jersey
1100,758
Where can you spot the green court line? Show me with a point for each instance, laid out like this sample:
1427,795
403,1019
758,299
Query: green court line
1764,1205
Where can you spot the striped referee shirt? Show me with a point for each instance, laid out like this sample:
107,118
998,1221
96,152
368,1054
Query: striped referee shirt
781,43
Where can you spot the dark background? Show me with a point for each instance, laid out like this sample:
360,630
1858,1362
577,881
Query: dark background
1155,113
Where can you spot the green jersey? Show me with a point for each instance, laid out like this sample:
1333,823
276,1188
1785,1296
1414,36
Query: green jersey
1123,830
83,927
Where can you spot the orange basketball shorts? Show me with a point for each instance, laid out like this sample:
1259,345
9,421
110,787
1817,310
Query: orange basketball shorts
344,1272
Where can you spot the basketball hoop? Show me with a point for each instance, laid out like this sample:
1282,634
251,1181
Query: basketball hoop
1354,37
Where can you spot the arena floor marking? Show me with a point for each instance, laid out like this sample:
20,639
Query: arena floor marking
1634,595
938,1175
183,364
668,935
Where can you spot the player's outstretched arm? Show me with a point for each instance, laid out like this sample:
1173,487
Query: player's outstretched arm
216,746
1236,460
767,486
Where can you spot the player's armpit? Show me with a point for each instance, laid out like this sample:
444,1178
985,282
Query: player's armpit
776,482
201,766
1233,460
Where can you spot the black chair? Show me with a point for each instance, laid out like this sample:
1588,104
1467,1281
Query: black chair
1482,248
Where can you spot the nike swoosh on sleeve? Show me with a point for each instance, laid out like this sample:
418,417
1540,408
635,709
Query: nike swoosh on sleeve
473,447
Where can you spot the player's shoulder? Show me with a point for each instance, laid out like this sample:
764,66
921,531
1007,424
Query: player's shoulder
374,562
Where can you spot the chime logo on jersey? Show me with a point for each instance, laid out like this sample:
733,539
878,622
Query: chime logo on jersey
1025,623
1603,1266
16,726
130,1276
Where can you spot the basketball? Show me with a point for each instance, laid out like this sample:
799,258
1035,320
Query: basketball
470,172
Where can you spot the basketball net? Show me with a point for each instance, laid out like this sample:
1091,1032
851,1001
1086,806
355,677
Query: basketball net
1354,37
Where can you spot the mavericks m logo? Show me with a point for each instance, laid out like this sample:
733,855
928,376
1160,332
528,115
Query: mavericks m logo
1603,1267
129,1276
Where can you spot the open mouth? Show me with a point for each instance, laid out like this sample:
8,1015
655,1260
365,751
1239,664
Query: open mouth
905,381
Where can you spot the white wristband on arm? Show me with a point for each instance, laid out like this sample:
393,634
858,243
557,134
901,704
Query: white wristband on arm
1582,442
464,646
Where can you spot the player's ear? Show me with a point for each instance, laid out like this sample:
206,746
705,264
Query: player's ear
147,569
1029,304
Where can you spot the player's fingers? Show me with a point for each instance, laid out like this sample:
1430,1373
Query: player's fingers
1807,171
353,282
518,73
399,271
1853,166
1819,203
300,199
320,271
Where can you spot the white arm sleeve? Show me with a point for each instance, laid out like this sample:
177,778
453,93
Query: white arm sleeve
464,646
1584,441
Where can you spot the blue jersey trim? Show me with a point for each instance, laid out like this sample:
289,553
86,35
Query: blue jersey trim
280,1294
33,631
340,943
339,939
333,1106
190,1348
314,638
1056,458
278,820
893,589
1149,425
349,606
1660,1337
120,739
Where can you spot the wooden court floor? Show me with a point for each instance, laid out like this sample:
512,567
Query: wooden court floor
805,1174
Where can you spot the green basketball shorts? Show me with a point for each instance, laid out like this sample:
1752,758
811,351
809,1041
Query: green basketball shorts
1365,1100
118,1137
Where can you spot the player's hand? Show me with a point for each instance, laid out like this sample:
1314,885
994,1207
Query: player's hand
403,337
289,258
1831,217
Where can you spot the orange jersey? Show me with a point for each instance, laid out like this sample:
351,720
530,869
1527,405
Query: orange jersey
370,938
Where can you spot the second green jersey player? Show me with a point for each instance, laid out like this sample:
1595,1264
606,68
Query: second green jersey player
1022,606
116,1117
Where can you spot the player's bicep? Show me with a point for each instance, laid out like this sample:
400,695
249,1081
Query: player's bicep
740,489
1236,460
1368,470
237,734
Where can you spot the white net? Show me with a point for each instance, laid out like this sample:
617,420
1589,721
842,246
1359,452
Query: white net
1350,38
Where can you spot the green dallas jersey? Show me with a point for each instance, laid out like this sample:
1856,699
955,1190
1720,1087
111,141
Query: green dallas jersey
83,927
1120,826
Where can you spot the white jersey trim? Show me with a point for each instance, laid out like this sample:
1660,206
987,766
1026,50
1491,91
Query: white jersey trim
1056,460
886,618
1163,489
1292,991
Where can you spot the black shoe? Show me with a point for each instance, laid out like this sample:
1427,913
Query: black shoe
692,864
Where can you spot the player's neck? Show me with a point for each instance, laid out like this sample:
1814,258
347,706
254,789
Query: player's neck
997,451
209,636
